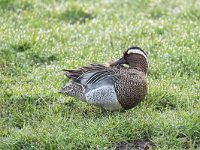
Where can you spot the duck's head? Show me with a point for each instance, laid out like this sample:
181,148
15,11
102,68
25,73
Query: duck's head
135,58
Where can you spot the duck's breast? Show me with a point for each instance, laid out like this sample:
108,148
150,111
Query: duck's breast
131,89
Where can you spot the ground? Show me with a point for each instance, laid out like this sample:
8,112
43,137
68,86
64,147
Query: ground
40,38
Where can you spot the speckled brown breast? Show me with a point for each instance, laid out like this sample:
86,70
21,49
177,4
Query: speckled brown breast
131,87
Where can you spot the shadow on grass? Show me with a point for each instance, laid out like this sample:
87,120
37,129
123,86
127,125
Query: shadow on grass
158,12
38,59
141,144
16,110
75,15
193,13
162,101
21,47
7,5
33,56
16,58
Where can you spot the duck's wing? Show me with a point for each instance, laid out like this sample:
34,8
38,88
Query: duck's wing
76,73
93,76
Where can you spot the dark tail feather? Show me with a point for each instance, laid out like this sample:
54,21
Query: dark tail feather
73,74
67,89
73,89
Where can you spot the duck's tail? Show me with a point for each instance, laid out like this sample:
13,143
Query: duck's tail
73,89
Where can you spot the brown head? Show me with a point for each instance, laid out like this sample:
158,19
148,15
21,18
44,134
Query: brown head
135,58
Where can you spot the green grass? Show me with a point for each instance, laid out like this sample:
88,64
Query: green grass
39,38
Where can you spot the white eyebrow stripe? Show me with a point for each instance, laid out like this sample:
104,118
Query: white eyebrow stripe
137,51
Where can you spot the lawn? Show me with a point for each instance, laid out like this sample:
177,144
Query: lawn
40,38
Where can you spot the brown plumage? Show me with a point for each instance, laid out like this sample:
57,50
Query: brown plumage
113,87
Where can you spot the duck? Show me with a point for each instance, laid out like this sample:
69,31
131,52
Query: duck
118,86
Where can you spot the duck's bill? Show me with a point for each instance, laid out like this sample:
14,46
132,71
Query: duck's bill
119,62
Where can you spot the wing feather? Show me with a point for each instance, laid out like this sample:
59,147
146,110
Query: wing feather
92,76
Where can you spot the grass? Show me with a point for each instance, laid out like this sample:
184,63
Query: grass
39,38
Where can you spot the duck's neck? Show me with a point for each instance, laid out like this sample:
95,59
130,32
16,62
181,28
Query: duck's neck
138,62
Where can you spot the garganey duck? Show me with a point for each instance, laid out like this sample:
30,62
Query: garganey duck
114,87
